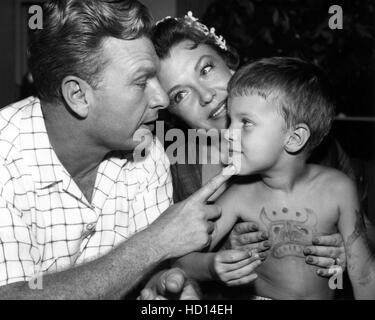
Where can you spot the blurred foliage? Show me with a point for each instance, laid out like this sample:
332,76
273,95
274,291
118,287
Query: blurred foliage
262,28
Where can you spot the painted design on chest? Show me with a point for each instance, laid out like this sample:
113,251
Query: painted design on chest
290,235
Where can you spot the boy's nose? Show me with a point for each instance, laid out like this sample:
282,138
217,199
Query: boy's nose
232,134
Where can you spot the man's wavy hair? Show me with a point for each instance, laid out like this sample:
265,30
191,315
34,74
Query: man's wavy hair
71,40
300,89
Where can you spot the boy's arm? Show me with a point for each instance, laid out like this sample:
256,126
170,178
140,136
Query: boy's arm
199,265
360,260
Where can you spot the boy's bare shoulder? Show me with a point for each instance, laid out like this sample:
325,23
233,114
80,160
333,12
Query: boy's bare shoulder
241,190
330,180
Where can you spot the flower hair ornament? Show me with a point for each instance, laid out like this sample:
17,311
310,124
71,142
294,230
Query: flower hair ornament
191,21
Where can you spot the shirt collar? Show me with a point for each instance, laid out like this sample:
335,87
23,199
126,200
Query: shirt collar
46,169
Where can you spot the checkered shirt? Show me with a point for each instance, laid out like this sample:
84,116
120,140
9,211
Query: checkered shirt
46,223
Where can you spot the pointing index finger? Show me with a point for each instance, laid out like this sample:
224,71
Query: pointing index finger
204,193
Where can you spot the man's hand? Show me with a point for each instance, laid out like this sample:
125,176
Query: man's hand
325,252
188,225
246,236
170,284
236,267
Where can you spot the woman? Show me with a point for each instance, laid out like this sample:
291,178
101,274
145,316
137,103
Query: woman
195,68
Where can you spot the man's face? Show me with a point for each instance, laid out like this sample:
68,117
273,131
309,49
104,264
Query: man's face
261,130
129,94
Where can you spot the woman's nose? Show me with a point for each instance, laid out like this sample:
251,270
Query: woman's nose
206,95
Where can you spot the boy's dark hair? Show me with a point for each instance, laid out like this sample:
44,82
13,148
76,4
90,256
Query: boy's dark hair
70,42
301,90
172,31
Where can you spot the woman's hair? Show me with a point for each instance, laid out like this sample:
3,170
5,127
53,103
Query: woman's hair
70,42
169,32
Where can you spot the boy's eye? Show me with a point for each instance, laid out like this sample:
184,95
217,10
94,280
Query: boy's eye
176,99
247,123
206,69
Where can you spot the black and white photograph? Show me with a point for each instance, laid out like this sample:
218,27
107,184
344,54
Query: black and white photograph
207,150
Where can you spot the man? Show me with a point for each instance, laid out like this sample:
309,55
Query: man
79,218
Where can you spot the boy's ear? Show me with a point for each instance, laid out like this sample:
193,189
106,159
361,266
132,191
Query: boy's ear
76,93
297,138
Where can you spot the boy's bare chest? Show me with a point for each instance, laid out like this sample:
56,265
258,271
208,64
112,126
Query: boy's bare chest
291,222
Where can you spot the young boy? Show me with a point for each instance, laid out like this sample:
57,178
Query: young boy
280,109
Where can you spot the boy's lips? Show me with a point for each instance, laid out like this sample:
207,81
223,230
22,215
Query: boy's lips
218,111
235,151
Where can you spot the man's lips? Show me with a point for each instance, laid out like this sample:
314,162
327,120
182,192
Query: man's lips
149,124
150,121
218,111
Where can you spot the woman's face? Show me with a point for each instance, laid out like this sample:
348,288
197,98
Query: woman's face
196,82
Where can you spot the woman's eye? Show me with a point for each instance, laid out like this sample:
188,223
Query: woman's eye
206,69
178,97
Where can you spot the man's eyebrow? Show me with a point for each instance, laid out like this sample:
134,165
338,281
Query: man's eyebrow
199,62
144,71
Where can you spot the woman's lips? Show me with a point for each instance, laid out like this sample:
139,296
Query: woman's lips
219,111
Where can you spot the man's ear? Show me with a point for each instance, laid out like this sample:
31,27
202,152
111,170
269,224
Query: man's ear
297,138
76,93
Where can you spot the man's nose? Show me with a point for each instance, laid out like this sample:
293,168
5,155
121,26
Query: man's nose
206,95
159,98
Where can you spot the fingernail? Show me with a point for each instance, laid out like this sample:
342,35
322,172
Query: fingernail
254,227
309,259
315,240
264,236
174,283
307,251
318,272
263,255
267,244
229,170
256,256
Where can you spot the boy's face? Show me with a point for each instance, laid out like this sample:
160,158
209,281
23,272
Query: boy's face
262,130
